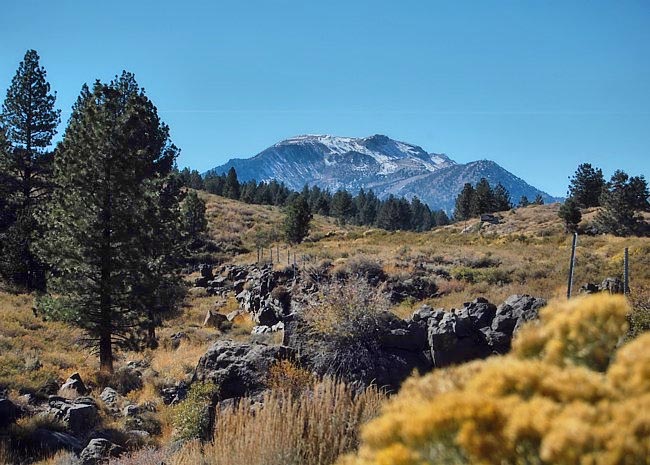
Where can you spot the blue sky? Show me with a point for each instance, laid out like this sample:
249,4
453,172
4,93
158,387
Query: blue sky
538,86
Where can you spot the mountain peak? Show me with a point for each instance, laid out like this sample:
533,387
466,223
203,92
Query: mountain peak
377,162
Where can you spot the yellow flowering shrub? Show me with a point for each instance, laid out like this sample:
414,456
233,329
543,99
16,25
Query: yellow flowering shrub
564,396
583,331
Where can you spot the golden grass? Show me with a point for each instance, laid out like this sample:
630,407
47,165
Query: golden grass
285,430
176,364
32,351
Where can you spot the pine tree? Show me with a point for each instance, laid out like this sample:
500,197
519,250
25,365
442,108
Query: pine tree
523,201
539,200
342,207
440,218
622,198
29,122
193,213
394,214
570,214
297,219
231,186
113,217
502,200
483,200
586,186
420,216
464,201
213,183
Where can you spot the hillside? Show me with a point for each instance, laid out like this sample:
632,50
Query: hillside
526,253
377,162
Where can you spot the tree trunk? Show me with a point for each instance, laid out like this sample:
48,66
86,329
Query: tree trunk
105,352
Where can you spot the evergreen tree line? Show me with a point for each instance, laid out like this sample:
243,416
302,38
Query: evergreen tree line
98,226
621,200
363,209
475,200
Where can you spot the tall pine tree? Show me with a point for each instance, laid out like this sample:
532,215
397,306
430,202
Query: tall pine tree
297,219
621,201
464,202
112,216
29,122
586,186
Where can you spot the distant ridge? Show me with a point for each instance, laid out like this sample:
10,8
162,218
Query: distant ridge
377,162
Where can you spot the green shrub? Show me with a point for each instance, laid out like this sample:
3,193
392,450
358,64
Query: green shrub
191,418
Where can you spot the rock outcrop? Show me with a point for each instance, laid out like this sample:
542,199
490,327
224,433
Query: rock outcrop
238,369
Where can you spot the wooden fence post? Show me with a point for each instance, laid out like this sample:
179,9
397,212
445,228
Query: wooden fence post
572,264
626,272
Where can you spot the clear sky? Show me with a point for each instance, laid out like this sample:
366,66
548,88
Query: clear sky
538,86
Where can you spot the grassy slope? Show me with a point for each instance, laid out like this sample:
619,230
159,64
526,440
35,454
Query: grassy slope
527,253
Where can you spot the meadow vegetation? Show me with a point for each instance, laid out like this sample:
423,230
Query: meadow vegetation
570,370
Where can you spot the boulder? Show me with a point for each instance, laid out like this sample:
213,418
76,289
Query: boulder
509,317
131,410
454,339
173,394
412,338
78,417
238,369
214,319
109,396
8,413
50,442
74,386
98,451
81,417
176,339
479,311
613,286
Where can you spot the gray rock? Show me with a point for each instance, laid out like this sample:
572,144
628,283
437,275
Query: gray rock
131,410
480,311
8,413
412,338
423,313
174,394
454,339
80,418
214,319
613,286
176,339
98,451
74,385
260,330
50,442
109,396
234,314
509,317
238,369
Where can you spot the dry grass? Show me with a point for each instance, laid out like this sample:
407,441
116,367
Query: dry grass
32,351
285,430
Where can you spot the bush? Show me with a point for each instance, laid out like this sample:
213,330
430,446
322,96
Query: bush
191,418
124,380
313,428
285,375
565,396
340,328
362,267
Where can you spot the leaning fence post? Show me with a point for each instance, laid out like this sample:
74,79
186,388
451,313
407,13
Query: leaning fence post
572,264
626,272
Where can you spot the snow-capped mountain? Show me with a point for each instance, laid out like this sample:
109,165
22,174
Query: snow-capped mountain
377,162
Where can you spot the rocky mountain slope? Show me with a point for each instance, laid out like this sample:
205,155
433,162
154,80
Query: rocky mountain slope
377,162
